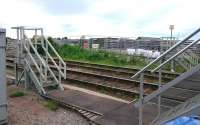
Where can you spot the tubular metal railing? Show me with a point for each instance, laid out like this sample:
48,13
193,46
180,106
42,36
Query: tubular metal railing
61,66
44,67
162,62
35,63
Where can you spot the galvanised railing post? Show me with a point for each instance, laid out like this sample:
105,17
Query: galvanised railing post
17,56
141,98
47,61
3,97
168,51
42,34
60,78
35,38
41,63
172,66
44,45
159,86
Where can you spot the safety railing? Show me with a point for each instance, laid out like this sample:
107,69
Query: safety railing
43,67
59,63
172,55
30,61
52,56
35,78
36,66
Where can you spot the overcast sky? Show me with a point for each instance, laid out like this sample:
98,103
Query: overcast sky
127,18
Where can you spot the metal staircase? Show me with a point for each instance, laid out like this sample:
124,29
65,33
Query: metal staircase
35,55
183,91
188,59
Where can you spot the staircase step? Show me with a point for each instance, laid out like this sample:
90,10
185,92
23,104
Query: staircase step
179,94
49,87
190,107
34,63
190,85
166,102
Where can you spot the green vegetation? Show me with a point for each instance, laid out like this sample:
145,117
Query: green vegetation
17,94
98,56
77,53
51,105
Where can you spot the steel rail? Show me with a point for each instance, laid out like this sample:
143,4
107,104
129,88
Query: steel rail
166,52
174,56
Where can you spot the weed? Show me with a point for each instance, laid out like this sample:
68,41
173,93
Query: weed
51,105
17,94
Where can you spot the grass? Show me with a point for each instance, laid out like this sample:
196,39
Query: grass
76,53
17,94
51,105
100,57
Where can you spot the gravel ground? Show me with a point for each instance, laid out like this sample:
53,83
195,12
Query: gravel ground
30,110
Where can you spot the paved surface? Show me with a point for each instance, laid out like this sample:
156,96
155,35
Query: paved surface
128,115
113,112
87,101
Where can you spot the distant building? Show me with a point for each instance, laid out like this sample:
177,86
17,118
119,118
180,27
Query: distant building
167,42
67,41
148,43
111,43
127,43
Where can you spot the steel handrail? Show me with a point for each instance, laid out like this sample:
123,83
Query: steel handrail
56,65
189,58
166,52
40,58
174,56
55,78
33,60
31,70
54,50
60,59
35,51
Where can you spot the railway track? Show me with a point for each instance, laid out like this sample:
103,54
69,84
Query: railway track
88,114
124,88
118,87
114,71
125,72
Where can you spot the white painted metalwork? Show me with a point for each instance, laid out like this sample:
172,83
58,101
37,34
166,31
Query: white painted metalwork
36,65
186,58
190,108
3,97
176,55
166,52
